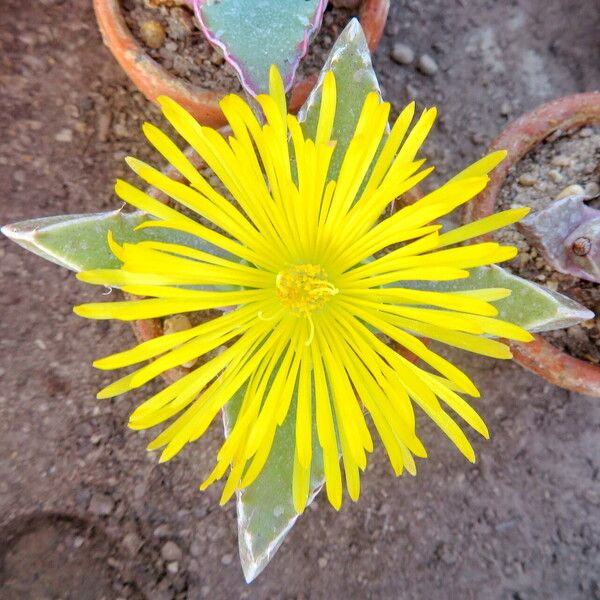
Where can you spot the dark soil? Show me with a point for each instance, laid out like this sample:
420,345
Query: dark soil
176,43
565,164
43,551
521,523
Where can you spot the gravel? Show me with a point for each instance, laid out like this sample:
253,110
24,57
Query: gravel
427,65
171,552
101,504
402,54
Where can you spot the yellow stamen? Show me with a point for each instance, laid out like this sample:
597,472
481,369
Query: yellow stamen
304,288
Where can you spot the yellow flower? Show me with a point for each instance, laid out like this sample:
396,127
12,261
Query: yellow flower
312,283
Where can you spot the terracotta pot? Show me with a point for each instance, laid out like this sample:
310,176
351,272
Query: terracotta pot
153,80
540,356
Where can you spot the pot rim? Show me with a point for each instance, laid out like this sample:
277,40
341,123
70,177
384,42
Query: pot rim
518,138
154,80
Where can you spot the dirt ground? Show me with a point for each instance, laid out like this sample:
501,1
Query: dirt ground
86,513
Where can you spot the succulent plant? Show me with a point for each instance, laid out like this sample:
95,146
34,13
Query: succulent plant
567,233
266,507
270,32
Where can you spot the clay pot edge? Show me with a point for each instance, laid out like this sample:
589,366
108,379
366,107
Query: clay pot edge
518,138
153,80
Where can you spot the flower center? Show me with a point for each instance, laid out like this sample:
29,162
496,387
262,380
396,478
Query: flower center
304,288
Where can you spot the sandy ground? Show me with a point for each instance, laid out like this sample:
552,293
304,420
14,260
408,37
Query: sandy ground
85,512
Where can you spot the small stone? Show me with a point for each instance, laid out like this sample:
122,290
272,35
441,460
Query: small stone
171,552
182,65
20,176
101,504
402,54
505,109
160,594
78,541
555,175
592,189
176,323
478,137
560,161
226,559
180,23
571,190
103,126
195,549
139,491
322,562
411,91
152,33
64,135
527,179
427,65
132,543
173,567
217,58
162,531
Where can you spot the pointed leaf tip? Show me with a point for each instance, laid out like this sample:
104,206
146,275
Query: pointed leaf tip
81,242
530,306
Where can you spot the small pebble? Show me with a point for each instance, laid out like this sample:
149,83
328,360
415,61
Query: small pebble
555,176
162,531
412,91
173,567
217,58
560,161
195,549
132,543
592,189
427,65
505,109
226,559
101,504
180,23
64,135
571,190
322,562
103,126
402,54
171,552
152,33
527,179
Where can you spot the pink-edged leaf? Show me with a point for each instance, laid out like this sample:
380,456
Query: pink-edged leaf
567,233
255,34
